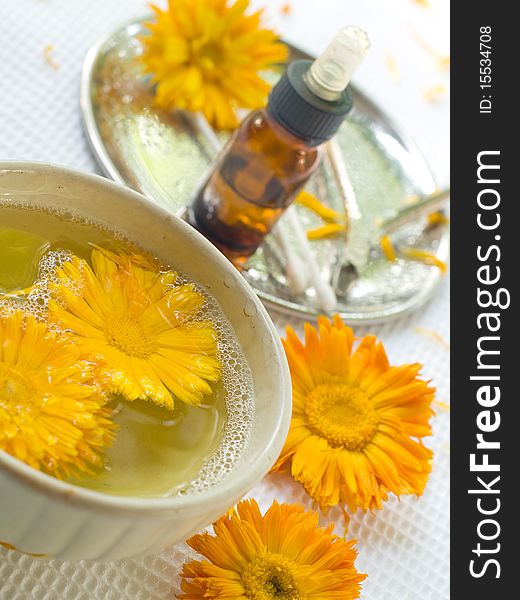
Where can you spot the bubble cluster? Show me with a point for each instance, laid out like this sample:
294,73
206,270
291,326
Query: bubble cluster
239,397
237,382
35,299
39,296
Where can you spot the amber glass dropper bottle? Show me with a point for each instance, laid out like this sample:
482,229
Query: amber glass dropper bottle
277,148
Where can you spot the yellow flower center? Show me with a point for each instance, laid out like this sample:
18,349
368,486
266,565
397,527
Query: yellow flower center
16,390
209,56
128,336
270,578
341,414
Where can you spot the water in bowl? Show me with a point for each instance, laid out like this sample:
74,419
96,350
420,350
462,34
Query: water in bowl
157,452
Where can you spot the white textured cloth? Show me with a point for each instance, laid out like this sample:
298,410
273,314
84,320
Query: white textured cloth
405,547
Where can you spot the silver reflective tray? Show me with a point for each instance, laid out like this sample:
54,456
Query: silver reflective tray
160,154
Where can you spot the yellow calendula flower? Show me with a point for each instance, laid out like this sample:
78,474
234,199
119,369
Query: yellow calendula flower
52,415
139,326
207,55
281,555
357,422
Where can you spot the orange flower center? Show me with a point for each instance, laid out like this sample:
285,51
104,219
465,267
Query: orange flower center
128,336
270,577
16,390
341,414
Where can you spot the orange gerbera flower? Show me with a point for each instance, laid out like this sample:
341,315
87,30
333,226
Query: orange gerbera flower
357,422
282,555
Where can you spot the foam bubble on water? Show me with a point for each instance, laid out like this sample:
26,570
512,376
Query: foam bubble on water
239,400
39,296
35,301
237,382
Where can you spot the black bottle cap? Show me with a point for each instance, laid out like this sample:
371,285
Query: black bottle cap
306,116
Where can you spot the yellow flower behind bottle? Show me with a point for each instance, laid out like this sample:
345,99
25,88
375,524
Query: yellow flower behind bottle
53,416
207,56
358,423
139,325
282,554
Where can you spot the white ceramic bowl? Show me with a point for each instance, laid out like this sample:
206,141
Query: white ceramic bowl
41,515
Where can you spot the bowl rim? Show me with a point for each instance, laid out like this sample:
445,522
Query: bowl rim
237,482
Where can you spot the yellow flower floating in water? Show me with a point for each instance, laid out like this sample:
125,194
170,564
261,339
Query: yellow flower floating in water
354,419
282,555
139,326
52,416
206,56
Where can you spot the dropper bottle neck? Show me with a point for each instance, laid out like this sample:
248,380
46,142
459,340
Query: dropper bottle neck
330,74
312,98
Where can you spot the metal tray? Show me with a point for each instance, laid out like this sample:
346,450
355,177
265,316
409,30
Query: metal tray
160,154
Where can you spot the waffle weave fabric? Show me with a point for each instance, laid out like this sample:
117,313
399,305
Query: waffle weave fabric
404,548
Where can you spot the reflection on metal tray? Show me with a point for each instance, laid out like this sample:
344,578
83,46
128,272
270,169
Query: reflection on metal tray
159,154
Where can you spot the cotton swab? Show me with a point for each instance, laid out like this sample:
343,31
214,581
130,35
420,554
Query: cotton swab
325,295
295,270
206,130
